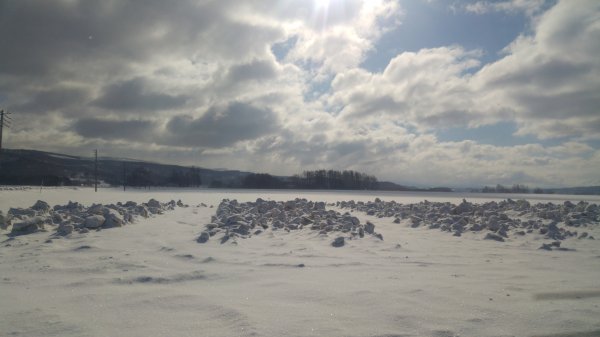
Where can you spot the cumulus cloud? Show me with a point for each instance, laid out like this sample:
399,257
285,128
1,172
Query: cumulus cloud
222,126
52,99
427,88
132,95
347,31
551,77
255,70
548,82
107,129
530,7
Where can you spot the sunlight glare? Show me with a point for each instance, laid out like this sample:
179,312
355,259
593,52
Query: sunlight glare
319,4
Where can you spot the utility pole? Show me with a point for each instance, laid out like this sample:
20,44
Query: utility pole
124,176
5,121
1,127
96,171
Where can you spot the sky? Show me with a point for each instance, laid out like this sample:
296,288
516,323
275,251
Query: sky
418,92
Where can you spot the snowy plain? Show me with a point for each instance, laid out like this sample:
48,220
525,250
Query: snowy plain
152,278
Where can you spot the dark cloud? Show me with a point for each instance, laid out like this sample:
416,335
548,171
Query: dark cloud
583,103
239,40
222,126
51,36
53,99
108,129
132,95
255,70
284,145
546,75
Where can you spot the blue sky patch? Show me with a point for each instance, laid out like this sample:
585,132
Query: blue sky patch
435,24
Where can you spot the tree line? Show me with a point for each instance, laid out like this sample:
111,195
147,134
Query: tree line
516,188
334,180
317,179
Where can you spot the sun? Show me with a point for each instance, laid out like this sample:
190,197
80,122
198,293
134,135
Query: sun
319,4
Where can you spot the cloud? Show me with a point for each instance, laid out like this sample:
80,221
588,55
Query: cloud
132,95
255,70
53,99
548,82
222,126
426,88
346,33
203,78
551,77
107,129
529,7
52,36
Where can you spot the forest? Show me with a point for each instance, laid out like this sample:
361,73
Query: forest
317,179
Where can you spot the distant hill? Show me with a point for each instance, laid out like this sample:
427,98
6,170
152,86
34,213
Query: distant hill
587,190
523,189
389,186
30,167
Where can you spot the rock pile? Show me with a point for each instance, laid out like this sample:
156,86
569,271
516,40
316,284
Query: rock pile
499,219
73,216
242,220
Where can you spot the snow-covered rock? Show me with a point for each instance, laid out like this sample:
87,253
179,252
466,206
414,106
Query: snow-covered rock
21,213
96,209
112,218
240,219
30,225
75,216
65,229
492,236
94,221
154,203
204,236
5,221
41,206
500,219
338,242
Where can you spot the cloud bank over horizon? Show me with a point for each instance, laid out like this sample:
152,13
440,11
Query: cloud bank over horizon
282,86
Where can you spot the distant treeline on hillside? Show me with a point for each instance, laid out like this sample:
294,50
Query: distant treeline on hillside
334,180
319,179
523,189
517,188
29,167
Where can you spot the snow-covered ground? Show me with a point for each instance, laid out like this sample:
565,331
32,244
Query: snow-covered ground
152,278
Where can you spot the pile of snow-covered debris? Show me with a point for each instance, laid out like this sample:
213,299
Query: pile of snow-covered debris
66,219
242,220
499,219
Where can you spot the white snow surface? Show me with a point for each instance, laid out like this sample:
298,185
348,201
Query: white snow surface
152,278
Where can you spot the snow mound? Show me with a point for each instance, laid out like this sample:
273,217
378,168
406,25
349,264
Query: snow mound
500,220
65,219
242,220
